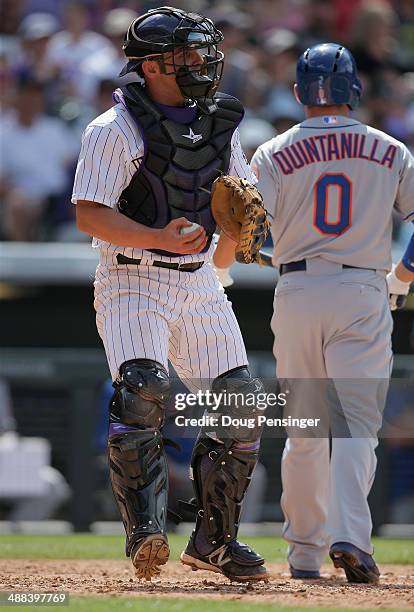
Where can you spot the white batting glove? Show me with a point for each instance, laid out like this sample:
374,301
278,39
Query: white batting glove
397,290
223,274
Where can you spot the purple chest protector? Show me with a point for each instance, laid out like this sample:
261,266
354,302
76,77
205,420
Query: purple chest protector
185,149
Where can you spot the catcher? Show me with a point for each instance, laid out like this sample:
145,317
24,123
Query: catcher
142,189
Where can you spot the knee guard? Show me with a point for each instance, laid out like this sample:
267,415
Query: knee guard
137,462
141,394
236,385
222,468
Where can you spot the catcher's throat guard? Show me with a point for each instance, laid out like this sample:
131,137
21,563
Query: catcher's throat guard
238,210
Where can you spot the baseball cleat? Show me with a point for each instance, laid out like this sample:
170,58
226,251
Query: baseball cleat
149,554
236,561
304,574
358,565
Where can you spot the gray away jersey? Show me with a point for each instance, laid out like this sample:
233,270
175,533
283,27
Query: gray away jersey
330,185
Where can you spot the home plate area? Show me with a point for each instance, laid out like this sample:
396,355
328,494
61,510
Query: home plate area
116,578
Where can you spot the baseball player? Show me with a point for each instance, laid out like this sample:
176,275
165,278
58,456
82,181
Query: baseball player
142,189
331,184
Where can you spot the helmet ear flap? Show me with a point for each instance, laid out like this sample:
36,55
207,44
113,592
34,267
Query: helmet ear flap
356,92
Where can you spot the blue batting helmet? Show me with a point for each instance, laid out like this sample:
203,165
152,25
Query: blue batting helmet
326,75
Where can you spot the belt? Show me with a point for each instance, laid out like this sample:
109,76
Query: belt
181,267
296,266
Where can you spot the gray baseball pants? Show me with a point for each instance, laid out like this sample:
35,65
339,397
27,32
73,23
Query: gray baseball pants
331,323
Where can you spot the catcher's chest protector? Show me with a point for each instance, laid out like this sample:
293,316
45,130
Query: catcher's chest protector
181,161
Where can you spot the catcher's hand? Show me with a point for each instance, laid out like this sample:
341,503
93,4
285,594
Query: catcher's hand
397,290
238,210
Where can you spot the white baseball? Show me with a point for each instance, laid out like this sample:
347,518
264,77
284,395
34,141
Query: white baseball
189,229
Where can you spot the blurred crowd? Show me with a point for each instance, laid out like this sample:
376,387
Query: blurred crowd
59,61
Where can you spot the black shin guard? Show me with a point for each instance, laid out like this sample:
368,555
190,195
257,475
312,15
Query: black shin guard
222,467
139,478
137,462
221,475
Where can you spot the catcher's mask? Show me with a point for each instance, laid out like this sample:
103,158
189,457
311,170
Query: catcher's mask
168,30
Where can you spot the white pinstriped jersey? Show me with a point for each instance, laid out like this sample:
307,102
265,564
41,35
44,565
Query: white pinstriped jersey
145,311
111,152
331,184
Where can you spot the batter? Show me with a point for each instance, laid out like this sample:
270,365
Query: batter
332,184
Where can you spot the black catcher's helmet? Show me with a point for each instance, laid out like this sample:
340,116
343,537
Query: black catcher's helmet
167,29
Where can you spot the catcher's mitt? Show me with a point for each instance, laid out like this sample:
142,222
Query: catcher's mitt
238,210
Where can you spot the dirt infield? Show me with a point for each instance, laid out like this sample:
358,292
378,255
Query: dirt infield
88,577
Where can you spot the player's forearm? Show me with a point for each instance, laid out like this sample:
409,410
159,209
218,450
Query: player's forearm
224,255
400,278
404,270
404,275
106,224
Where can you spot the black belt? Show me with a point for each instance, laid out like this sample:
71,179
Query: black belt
296,266
181,267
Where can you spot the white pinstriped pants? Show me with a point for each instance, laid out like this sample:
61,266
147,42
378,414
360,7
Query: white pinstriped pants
155,313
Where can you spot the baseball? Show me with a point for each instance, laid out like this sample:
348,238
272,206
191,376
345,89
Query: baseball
189,229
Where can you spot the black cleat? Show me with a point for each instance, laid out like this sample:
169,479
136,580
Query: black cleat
358,565
304,574
237,561
148,554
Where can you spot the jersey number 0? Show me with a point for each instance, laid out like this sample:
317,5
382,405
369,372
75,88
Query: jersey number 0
343,185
